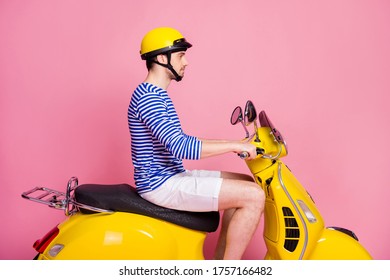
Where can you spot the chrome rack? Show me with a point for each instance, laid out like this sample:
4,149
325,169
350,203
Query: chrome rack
60,200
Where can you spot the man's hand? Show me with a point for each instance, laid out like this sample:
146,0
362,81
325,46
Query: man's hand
247,151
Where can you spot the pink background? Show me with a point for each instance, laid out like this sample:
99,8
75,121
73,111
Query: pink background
319,68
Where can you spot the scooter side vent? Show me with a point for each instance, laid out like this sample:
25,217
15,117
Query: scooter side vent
292,230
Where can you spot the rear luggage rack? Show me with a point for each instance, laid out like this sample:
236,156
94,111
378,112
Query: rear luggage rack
49,197
60,200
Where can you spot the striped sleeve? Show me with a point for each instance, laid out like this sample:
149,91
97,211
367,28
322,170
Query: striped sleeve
153,112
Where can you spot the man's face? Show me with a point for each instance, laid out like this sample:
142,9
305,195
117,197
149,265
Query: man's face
179,62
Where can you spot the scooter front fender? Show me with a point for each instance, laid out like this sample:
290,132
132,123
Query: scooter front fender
123,236
336,245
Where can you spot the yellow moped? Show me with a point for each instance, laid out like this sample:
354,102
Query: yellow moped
293,226
114,222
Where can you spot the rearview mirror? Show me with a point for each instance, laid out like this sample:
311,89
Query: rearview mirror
236,116
250,114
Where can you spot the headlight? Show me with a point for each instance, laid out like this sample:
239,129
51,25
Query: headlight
53,252
309,215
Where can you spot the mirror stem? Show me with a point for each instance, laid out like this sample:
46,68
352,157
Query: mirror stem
246,130
257,133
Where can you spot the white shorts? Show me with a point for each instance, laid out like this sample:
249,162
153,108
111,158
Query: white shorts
195,191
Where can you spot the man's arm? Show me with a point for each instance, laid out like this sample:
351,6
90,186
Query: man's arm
218,147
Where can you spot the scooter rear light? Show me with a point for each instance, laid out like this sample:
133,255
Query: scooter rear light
41,244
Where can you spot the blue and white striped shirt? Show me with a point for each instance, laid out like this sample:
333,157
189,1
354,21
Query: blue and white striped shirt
158,143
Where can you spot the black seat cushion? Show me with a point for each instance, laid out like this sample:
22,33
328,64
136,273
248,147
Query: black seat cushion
124,198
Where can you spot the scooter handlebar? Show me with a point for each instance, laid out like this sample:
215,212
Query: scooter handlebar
244,155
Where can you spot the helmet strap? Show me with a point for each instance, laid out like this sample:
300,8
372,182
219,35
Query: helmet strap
178,78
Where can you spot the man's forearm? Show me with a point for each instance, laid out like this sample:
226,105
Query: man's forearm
218,147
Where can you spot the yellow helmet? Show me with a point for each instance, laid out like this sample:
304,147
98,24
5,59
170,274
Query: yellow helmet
162,40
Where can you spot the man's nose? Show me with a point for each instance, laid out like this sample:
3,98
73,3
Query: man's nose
185,61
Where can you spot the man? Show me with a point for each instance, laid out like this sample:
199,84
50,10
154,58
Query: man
159,145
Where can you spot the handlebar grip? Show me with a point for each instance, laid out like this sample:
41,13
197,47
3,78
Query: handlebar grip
243,155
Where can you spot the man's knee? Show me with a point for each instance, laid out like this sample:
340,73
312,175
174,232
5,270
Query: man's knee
257,196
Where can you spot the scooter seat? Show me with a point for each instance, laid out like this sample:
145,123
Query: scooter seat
124,198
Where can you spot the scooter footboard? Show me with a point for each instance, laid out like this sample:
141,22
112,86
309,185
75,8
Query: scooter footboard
337,245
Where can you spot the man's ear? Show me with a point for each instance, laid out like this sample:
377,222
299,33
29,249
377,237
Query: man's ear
162,58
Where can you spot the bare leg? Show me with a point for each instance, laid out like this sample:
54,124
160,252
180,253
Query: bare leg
236,176
221,244
243,202
227,215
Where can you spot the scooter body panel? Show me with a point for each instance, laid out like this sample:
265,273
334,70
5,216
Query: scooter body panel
289,235
124,236
336,245
286,225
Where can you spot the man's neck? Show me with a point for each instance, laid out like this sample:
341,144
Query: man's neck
161,81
